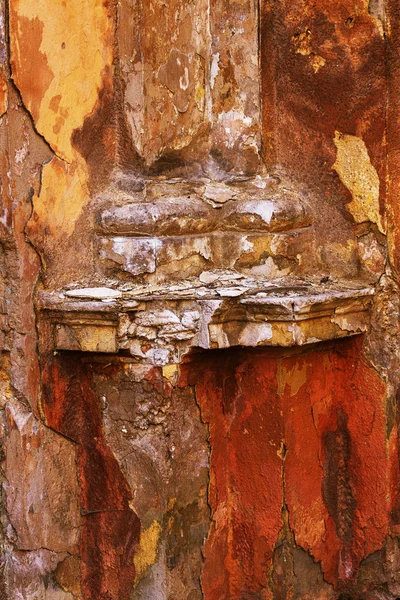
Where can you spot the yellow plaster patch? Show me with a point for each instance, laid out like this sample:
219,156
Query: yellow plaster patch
318,62
199,95
294,378
170,372
5,384
63,194
353,165
302,43
60,52
3,94
73,52
147,552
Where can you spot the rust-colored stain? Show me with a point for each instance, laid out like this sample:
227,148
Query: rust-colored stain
240,403
337,467
305,432
110,529
323,68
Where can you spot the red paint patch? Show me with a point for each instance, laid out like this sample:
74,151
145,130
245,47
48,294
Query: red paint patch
110,529
318,419
337,468
238,399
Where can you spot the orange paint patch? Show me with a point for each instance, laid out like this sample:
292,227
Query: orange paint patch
55,78
3,93
29,65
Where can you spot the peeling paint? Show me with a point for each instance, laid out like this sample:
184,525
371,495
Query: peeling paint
69,68
353,165
63,194
146,555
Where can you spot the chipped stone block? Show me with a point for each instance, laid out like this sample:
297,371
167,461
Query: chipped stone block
157,318
261,211
150,333
86,338
43,510
176,335
135,256
190,319
174,214
219,193
184,255
228,248
94,293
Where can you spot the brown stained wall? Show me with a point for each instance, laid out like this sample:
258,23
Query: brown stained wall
175,89
110,529
191,82
393,63
235,85
324,79
164,67
241,475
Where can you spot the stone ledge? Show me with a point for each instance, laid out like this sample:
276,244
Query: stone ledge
192,207
159,324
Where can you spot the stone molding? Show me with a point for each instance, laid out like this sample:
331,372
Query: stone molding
159,324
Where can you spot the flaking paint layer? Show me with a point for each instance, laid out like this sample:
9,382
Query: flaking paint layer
60,54
356,172
58,74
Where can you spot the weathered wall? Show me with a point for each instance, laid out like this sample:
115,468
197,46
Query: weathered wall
299,458
267,473
324,113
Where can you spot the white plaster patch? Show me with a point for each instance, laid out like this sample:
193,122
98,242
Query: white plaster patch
133,255
101,293
158,356
247,245
208,308
259,182
184,80
231,292
218,192
157,318
298,335
255,333
214,69
218,336
264,209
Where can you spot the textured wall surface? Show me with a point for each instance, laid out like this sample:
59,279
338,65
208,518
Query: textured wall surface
199,303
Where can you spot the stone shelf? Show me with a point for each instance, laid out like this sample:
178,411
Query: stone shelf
159,324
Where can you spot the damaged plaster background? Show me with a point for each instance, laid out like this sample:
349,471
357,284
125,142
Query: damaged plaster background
199,304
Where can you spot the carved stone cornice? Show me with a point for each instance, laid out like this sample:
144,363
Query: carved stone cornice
159,324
